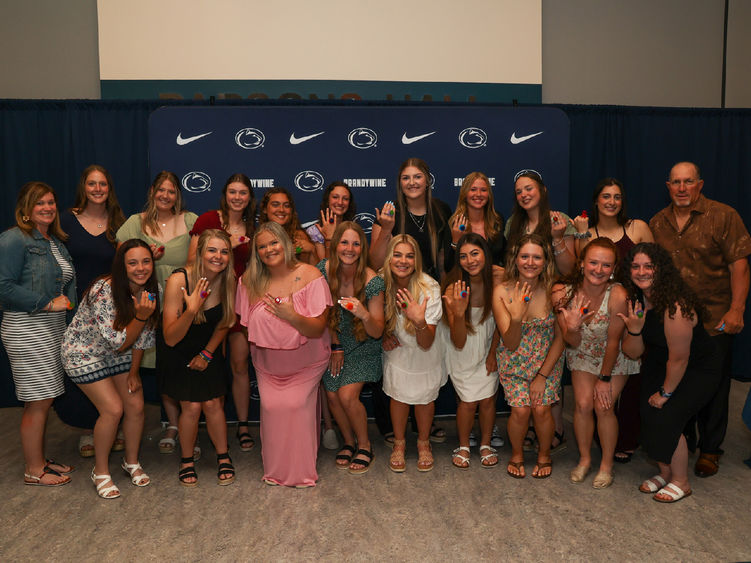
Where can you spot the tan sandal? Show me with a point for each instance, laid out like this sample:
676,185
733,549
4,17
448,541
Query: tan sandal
425,460
396,461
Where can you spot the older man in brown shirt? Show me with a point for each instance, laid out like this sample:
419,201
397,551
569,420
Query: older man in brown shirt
709,245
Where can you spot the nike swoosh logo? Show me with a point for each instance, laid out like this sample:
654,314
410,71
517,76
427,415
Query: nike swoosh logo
516,140
409,140
297,140
185,140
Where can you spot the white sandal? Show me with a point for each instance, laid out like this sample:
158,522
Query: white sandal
649,487
673,492
167,445
101,489
493,454
138,480
458,459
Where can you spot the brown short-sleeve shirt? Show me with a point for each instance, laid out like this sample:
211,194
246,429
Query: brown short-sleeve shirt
713,237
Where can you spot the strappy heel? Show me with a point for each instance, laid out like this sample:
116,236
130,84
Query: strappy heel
104,491
225,468
188,473
138,480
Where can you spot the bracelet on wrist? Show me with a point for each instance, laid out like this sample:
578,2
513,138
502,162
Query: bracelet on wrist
336,347
141,320
423,327
585,234
542,375
634,333
206,355
665,394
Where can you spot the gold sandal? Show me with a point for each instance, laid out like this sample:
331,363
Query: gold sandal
424,455
396,461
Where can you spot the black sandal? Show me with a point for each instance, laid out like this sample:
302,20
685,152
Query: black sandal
225,468
345,458
245,439
187,473
530,439
364,464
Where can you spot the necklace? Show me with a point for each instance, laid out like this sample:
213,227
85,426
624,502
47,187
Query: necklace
420,226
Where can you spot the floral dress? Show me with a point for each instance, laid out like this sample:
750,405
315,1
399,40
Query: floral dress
519,367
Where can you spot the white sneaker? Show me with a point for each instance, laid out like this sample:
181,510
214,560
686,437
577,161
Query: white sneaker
330,440
496,440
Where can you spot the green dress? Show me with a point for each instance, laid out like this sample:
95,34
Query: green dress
175,256
362,360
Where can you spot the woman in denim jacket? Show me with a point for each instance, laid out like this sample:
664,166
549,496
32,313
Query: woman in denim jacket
37,288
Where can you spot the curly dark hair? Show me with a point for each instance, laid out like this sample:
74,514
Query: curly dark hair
349,215
669,290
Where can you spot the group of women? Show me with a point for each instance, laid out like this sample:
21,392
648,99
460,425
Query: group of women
434,294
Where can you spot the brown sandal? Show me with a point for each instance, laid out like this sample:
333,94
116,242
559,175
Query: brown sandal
425,460
519,465
396,461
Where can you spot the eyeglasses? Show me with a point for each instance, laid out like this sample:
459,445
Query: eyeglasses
528,171
690,183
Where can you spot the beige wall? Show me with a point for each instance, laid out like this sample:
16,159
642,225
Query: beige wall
390,40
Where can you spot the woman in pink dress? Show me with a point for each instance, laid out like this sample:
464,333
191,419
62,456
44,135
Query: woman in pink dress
284,304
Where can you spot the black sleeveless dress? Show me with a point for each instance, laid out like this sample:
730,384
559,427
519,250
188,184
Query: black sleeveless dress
185,384
662,428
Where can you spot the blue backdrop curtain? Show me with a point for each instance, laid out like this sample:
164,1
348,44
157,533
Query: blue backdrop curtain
53,141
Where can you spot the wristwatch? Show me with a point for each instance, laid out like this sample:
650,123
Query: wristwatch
664,394
605,378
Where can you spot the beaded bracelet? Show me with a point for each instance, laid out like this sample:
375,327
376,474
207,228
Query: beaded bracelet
206,355
585,234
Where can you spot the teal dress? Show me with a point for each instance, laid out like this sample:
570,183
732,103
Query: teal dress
362,360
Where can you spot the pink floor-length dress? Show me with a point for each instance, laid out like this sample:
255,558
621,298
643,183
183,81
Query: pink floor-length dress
289,367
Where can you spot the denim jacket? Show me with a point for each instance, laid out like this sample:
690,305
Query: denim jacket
30,277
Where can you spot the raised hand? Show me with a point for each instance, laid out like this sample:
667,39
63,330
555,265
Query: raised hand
557,225
354,306
385,216
157,251
577,313
457,298
196,299
458,228
634,319
329,221
144,305
280,307
414,310
518,301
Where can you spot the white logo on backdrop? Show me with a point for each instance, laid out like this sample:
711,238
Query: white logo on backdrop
297,140
409,140
365,220
473,138
309,181
516,140
185,140
196,182
250,138
362,138
432,181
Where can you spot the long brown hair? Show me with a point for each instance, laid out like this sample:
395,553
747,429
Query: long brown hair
122,299
360,278
430,213
293,225
115,217
458,273
511,273
30,193
150,212
519,217
491,218
249,213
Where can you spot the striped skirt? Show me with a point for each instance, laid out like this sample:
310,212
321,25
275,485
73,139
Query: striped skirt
33,346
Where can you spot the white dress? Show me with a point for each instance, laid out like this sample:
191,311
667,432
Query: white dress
412,375
466,367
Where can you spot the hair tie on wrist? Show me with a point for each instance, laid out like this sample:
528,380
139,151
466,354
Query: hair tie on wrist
142,320
633,333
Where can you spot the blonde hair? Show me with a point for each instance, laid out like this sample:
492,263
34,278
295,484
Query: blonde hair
226,284
417,285
256,276
360,278
548,275
493,221
150,212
